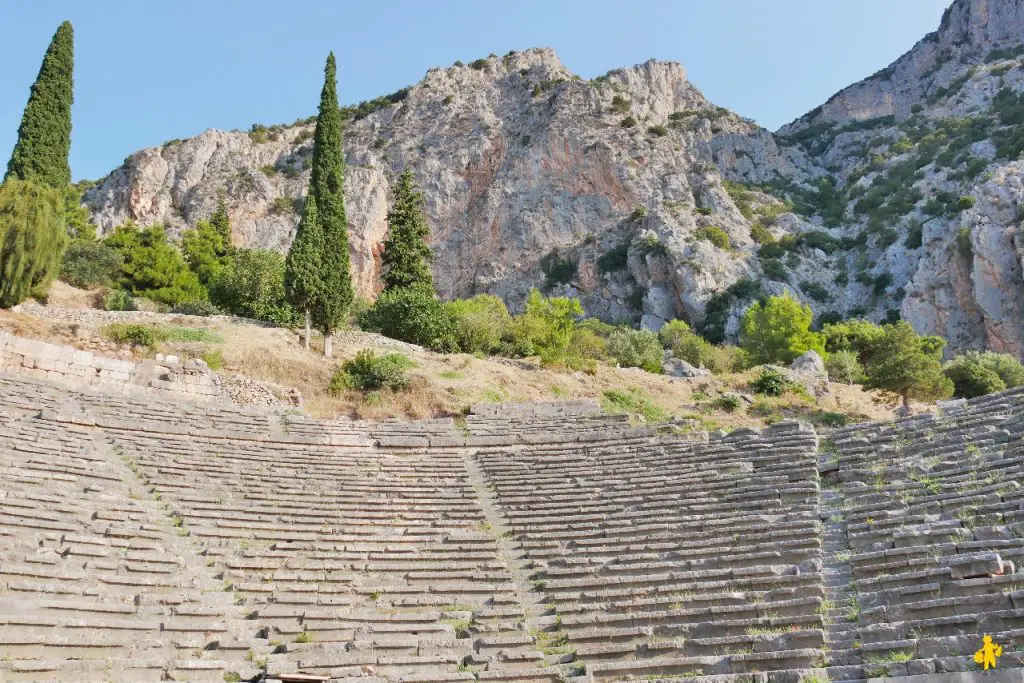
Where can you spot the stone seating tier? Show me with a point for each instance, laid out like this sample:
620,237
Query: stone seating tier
143,539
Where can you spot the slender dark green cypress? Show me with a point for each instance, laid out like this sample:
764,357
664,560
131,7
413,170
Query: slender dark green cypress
44,138
327,191
407,256
302,281
222,223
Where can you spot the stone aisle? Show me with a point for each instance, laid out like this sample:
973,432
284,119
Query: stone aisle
540,619
840,612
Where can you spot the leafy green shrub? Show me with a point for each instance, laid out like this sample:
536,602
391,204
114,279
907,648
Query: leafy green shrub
704,210
881,282
632,402
117,300
659,131
127,333
588,344
177,333
761,234
369,371
200,308
414,315
730,403
635,349
689,346
715,235
480,322
972,379
90,264
252,286
978,373
614,259
774,269
915,232
548,324
771,383
620,104
779,330
963,242
628,122
845,367
214,358
815,291
557,270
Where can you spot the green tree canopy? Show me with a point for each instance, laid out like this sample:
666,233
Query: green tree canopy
251,285
32,239
480,322
153,268
778,330
551,322
907,366
407,256
205,251
415,315
44,137
302,266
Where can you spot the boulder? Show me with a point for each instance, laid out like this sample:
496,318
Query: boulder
810,363
677,367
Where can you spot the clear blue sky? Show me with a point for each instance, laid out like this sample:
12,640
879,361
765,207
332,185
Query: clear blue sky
150,70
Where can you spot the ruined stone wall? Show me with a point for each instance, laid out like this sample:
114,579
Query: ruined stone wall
82,368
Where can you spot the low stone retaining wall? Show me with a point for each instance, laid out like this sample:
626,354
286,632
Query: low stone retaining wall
82,368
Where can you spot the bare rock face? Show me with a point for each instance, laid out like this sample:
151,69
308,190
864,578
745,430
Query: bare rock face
899,197
523,165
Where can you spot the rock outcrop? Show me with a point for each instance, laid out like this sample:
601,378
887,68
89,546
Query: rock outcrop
898,196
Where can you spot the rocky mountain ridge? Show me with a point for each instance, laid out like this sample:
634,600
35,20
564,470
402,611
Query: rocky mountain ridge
636,194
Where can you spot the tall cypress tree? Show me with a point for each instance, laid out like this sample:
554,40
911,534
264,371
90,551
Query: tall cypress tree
407,255
35,190
222,224
302,282
327,191
44,138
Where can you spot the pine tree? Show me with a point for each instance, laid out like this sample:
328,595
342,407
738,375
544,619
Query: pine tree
302,282
327,191
906,366
44,138
407,255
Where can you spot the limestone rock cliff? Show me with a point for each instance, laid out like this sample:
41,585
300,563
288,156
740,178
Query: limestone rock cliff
898,196
524,167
